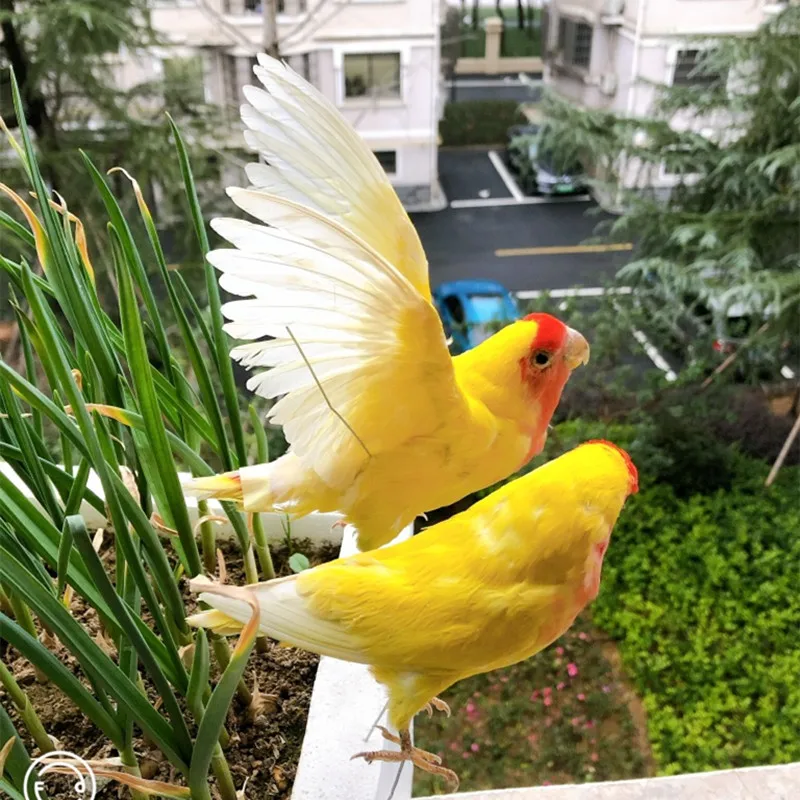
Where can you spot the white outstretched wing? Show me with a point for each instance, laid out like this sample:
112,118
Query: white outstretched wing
337,276
358,353
315,158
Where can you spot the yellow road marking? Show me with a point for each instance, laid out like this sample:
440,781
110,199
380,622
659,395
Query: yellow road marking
563,249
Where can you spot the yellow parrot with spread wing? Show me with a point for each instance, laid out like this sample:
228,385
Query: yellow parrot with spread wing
383,424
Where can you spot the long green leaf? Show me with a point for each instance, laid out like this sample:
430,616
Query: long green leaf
132,258
33,650
62,480
154,426
65,276
207,740
219,345
83,543
18,760
39,484
96,664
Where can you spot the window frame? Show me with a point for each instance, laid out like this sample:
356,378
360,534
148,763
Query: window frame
707,80
368,96
394,172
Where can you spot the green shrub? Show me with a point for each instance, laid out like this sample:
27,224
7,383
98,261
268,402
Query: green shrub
468,122
701,595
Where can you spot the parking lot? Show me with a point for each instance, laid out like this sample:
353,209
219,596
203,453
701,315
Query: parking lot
531,245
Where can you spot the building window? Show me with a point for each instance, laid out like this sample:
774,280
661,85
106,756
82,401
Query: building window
691,71
388,160
575,42
252,5
307,67
372,75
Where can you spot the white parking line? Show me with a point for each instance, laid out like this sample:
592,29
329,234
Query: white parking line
654,355
581,291
598,291
492,202
506,176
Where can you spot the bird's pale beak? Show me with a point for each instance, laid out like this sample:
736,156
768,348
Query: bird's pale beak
577,349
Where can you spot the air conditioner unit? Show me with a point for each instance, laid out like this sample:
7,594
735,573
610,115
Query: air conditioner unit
611,13
608,83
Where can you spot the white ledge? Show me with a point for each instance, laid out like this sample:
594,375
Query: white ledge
781,782
316,527
345,703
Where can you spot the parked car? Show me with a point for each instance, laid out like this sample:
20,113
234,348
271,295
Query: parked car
471,311
537,169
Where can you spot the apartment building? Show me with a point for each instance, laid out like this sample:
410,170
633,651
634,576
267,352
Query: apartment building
602,53
376,60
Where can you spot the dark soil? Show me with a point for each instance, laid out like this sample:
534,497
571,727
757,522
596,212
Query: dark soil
264,743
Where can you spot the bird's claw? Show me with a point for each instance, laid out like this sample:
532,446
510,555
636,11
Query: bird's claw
439,705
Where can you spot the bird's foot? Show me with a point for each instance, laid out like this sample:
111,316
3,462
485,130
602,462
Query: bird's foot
439,705
422,759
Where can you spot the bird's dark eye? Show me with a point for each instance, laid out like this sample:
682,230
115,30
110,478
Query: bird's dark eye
541,358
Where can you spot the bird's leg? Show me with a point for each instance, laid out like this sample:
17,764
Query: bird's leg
427,762
439,705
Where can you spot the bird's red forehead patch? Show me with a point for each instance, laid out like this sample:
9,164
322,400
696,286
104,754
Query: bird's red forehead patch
632,471
550,332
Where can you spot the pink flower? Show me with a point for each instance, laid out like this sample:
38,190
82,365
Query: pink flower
535,694
465,754
595,756
548,701
504,679
470,707
546,783
560,651
561,685
474,747
572,669
575,721
453,746
581,696
532,737
546,691
583,636
589,725
606,689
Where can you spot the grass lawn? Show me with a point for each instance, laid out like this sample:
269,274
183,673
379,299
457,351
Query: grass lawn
564,716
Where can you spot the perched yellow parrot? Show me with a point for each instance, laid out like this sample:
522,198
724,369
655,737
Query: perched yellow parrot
484,589
383,424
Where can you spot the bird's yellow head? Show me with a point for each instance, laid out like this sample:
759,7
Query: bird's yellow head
521,371
599,452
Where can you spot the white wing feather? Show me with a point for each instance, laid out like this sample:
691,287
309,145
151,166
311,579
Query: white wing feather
285,616
316,159
349,310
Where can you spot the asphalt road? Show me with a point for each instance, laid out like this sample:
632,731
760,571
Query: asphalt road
463,242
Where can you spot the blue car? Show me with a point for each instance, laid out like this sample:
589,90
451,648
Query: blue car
472,311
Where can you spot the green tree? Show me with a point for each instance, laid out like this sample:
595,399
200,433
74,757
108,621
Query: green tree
69,58
729,232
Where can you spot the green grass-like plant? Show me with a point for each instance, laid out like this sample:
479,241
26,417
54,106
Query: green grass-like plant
92,400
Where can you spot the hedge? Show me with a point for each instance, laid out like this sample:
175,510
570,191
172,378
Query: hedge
468,122
701,595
